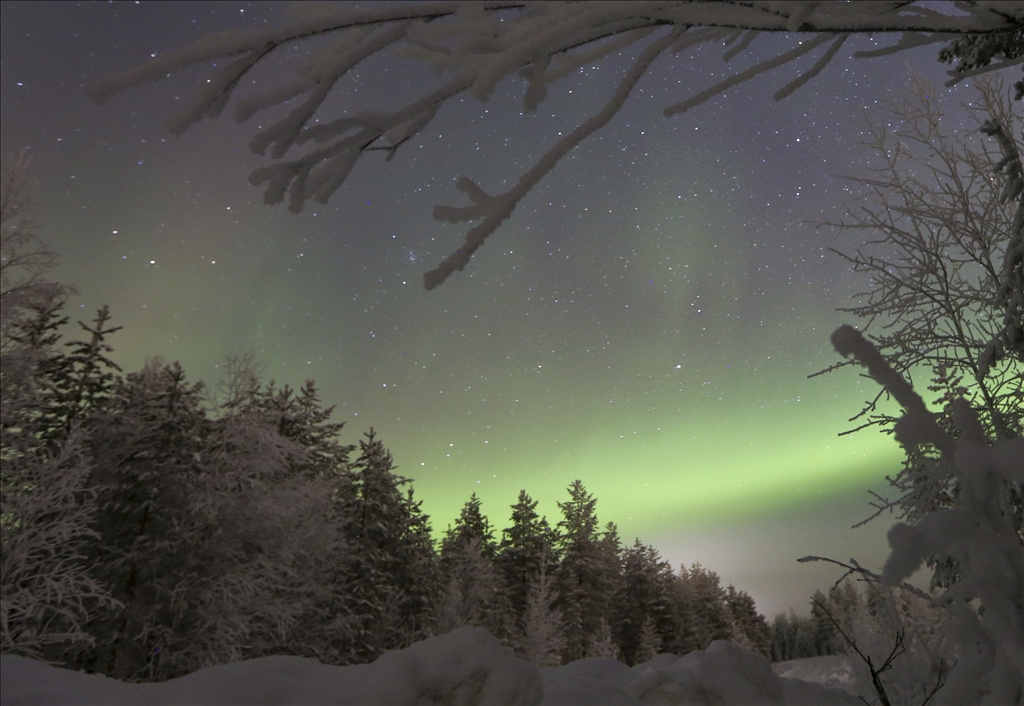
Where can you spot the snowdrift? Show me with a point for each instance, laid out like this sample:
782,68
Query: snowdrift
466,666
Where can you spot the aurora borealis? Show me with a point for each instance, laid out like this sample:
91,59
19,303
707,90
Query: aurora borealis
645,322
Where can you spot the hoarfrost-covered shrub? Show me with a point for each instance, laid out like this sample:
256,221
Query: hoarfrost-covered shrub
46,590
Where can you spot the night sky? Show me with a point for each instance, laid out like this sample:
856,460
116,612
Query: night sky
644,322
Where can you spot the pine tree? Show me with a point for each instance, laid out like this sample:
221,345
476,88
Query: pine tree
225,538
796,637
782,638
300,417
603,643
473,592
267,537
24,426
843,603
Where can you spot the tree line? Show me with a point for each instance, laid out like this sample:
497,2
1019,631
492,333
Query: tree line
152,526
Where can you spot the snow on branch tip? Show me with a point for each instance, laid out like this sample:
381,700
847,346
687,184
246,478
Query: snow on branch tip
477,46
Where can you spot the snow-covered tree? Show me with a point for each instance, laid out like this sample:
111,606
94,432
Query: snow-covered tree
944,215
265,535
940,217
474,593
49,590
843,600
216,533
649,644
319,623
984,602
471,526
643,603
603,643
477,45
707,616
80,380
587,576
796,637
48,594
749,628
25,259
526,550
144,442
540,639
300,417
391,578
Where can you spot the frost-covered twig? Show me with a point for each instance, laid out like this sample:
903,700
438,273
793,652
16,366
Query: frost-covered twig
936,233
876,681
478,44
498,208
870,576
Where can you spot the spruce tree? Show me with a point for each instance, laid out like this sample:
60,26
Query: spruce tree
472,526
526,549
540,639
79,382
822,638
643,603
147,443
391,577
750,629
649,644
474,592
797,637
706,605
586,577
299,416
782,638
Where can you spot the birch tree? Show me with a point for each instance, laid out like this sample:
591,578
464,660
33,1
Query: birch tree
942,226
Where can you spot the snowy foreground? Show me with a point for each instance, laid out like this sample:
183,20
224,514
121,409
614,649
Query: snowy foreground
466,666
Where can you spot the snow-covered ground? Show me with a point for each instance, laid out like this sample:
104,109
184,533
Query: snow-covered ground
829,670
466,666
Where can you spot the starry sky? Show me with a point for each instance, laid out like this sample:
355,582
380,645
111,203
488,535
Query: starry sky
645,322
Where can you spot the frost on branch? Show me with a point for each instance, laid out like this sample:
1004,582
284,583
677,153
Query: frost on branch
48,591
474,47
978,532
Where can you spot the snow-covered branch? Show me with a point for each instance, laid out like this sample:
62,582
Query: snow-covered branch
977,532
480,43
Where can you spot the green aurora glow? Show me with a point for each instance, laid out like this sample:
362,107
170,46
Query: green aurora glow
645,322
